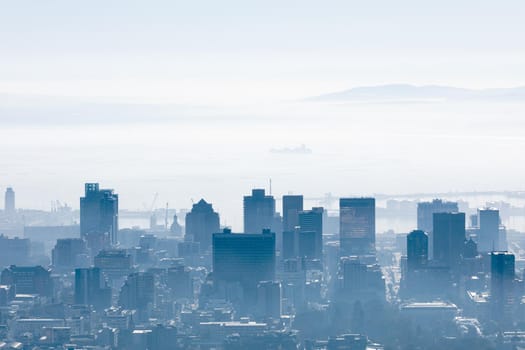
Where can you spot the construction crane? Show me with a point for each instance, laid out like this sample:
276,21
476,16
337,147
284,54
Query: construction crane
166,218
152,206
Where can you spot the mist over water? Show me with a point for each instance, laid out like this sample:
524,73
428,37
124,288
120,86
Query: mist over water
220,153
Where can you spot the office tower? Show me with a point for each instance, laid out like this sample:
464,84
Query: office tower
470,249
201,223
292,206
259,212
426,210
9,204
449,238
488,232
246,259
269,299
312,221
69,253
28,280
14,251
91,288
114,262
99,212
138,292
306,245
417,250
357,226
361,281
180,282
502,285
289,244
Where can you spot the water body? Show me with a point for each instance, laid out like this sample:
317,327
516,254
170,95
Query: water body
220,154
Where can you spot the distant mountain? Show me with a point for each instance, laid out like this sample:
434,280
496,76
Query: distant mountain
424,93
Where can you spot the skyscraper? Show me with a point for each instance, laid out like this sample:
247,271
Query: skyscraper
357,226
138,293
180,282
99,212
14,251
69,253
9,204
425,210
259,211
307,245
269,299
501,284
246,259
417,249
201,223
312,221
289,244
292,206
28,280
449,238
361,281
488,232
91,288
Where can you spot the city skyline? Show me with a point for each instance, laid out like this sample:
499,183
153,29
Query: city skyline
263,175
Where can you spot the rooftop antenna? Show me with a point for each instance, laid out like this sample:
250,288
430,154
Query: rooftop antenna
270,186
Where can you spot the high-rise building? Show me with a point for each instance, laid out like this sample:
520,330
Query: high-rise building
114,262
99,212
426,210
259,212
269,299
14,251
69,253
138,292
201,223
357,226
245,258
180,282
292,206
449,238
91,288
28,280
417,250
9,204
307,245
312,221
501,285
289,244
488,231
361,281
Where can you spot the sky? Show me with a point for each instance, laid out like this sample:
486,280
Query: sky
234,52
187,98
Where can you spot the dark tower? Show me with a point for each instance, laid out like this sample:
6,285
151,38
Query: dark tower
99,212
9,204
201,223
449,238
259,211
312,221
357,226
292,206
417,250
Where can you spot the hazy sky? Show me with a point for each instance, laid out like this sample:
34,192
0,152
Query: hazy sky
243,51
224,68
